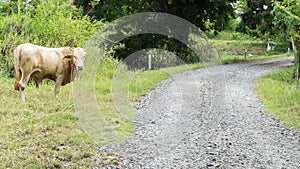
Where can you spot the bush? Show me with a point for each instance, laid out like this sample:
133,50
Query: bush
47,23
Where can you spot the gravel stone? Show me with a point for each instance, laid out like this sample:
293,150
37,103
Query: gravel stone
207,118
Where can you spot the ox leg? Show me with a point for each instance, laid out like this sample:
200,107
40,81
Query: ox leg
58,83
22,91
37,82
22,84
16,85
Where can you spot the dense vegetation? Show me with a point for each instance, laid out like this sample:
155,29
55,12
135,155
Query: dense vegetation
47,23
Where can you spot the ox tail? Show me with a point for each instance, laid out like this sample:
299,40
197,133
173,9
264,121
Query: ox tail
17,67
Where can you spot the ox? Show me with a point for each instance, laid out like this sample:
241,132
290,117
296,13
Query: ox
57,64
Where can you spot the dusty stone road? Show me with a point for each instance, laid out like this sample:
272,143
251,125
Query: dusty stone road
208,118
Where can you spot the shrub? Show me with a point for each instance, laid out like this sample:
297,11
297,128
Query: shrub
47,23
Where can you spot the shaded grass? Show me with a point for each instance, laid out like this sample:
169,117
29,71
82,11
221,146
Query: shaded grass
279,92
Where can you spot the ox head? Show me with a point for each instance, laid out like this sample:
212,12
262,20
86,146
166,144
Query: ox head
79,54
76,56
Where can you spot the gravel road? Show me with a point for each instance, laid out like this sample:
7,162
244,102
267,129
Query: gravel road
207,118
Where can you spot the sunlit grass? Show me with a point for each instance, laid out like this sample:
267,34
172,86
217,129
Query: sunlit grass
230,58
280,93
43,132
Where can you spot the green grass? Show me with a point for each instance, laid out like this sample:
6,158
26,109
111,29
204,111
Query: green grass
279,92
44,132
229,58
145,81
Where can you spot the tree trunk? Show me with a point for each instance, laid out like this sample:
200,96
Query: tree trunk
297,60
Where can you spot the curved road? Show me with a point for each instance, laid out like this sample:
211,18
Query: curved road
207,118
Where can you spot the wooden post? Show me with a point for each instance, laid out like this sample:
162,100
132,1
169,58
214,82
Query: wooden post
296,52
149,62
245,53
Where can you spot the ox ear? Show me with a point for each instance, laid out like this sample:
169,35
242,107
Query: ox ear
67,50
71,58
68,56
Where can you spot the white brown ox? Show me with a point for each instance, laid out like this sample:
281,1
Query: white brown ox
57,64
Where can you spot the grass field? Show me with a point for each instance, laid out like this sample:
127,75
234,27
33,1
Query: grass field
44,132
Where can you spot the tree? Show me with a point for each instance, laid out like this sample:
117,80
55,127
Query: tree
217,12
287,18
202,13
256,15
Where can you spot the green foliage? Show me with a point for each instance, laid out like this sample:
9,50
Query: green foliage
107,68
256,16
46,23
285,76
280,93
287,18
204,14
197,12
